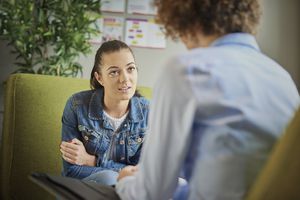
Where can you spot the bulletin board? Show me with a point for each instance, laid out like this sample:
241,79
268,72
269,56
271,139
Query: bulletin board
131,21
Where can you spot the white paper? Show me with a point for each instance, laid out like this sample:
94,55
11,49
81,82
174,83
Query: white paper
113,5
141,7
136,32
144,33
156,38
112,28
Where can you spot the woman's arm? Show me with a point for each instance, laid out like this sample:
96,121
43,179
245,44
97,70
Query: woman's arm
74,164
74,152
171,117
72,149
77,163
112,165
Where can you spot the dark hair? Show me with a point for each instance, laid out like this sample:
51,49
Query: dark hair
183,17
106,47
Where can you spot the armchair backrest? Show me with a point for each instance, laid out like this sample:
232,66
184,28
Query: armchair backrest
280,177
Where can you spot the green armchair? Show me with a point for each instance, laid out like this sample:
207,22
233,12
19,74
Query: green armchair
32,131
280,177
31,135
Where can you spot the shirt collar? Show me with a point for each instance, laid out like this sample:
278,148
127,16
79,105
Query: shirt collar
96,107
136,113
242,39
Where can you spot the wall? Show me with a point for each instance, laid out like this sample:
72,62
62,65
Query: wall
279,38
6,67
149,61
279,34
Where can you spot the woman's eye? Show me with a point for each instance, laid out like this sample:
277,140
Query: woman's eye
131,69
113,73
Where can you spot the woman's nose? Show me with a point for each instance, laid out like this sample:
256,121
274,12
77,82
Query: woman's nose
124,77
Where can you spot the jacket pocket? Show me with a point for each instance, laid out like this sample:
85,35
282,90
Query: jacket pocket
91,139
135,141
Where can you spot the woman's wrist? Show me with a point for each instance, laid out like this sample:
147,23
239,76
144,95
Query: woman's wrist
91,161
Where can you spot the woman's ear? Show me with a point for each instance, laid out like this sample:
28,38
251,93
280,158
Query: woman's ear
98,77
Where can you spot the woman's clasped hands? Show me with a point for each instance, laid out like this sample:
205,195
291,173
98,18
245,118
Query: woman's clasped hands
74,152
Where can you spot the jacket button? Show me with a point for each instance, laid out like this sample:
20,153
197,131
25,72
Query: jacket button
125,125
139,140
86,137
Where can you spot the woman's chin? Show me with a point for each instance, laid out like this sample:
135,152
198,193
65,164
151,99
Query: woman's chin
125,96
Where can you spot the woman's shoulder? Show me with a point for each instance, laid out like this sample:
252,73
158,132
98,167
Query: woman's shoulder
139,108
81,97
83,93
142,100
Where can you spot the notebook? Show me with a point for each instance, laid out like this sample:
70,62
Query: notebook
66,188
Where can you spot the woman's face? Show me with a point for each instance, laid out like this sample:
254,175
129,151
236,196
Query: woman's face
118,75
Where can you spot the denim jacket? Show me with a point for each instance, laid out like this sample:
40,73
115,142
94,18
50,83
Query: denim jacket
83,119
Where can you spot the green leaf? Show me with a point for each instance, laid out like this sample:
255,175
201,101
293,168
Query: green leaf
47,36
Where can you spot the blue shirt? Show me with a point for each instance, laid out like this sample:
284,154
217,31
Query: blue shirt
83,118
216,113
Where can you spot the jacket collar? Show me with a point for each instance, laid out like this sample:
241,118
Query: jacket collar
96,107
244,39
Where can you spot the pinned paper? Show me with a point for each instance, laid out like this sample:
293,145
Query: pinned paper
113,6
112,28
144,33
141,7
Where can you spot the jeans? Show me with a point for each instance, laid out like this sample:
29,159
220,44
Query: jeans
105,177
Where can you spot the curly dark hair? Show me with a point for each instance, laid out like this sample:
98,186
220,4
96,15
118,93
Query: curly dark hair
181,17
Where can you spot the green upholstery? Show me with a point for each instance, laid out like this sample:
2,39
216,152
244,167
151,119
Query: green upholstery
31,135
32,130
280,177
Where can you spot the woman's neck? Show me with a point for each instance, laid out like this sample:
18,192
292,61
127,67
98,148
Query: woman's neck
114,108
198,40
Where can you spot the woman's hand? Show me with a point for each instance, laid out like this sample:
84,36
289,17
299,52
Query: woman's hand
127,171
74,152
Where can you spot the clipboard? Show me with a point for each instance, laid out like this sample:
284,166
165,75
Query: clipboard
66,188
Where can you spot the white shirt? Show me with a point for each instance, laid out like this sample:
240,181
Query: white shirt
115,122
216,112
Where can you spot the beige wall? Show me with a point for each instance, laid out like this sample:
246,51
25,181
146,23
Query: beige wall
279,37
279,34
149,61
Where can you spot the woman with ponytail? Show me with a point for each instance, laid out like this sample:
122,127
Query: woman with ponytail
103,128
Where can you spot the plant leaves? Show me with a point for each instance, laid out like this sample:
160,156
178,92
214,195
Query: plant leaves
47,36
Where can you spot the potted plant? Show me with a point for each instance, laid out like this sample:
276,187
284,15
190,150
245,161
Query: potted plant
48,35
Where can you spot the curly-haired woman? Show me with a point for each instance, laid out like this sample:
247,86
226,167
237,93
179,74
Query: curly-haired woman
217,109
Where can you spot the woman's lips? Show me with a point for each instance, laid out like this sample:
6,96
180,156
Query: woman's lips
124,89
